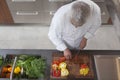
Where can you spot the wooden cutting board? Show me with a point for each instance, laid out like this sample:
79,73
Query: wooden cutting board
73,65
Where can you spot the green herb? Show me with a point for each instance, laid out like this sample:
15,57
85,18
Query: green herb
33,67
1,60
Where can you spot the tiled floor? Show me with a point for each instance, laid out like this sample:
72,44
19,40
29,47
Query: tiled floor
35,37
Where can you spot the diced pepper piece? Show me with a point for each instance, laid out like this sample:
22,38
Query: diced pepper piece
56,62
62,65
64,72
56,73
54,66
17,70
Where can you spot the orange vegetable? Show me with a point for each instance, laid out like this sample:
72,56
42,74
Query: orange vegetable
9,69
4,69
8,75
2,75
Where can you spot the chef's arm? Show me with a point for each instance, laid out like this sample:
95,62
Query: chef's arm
96,24
55,36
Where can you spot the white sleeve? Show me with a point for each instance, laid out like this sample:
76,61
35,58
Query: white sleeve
96,24
55,32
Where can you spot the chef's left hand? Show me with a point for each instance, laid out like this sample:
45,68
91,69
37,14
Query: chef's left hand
83,43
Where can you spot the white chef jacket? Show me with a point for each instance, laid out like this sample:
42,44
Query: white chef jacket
65,35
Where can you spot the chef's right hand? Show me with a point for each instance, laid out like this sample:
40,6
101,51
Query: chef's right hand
67,54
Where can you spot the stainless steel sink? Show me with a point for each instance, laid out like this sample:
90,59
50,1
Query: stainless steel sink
106,66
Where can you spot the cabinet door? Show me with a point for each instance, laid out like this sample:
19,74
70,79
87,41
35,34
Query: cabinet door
41,17
26,16
106,67
5,15
33,11
51,5
25,5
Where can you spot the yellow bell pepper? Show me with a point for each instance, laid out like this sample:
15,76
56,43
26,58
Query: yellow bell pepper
17,70
64,72
62,65
84,71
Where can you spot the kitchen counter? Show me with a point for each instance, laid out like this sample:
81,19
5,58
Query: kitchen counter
48,55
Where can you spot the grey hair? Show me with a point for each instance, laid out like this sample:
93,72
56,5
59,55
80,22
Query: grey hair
80,11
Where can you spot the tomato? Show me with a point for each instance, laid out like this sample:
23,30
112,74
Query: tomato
56,62
62,59
56,73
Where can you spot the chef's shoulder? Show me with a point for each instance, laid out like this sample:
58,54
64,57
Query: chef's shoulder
62,11
96,8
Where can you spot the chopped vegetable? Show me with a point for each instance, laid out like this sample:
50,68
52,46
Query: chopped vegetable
17,70
64,72
54,66
8,75
56,73
62,65
4,69
9,69
56,62
84,66
84,69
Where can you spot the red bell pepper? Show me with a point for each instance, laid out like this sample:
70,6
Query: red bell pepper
56,62
83,66
56,73
62,59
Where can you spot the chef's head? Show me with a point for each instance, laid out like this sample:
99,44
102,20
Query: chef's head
80,11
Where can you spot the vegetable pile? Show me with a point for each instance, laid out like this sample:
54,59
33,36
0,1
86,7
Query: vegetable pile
33,66
5,72
59,68
7,66
84,69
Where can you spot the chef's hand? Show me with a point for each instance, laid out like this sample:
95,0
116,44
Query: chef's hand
67,54
83,43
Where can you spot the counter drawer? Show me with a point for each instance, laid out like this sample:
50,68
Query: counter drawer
31,17
24,5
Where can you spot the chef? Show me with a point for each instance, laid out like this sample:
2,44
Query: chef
73,24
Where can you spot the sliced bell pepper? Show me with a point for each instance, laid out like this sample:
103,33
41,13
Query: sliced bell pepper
56,73
62,65
64,72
